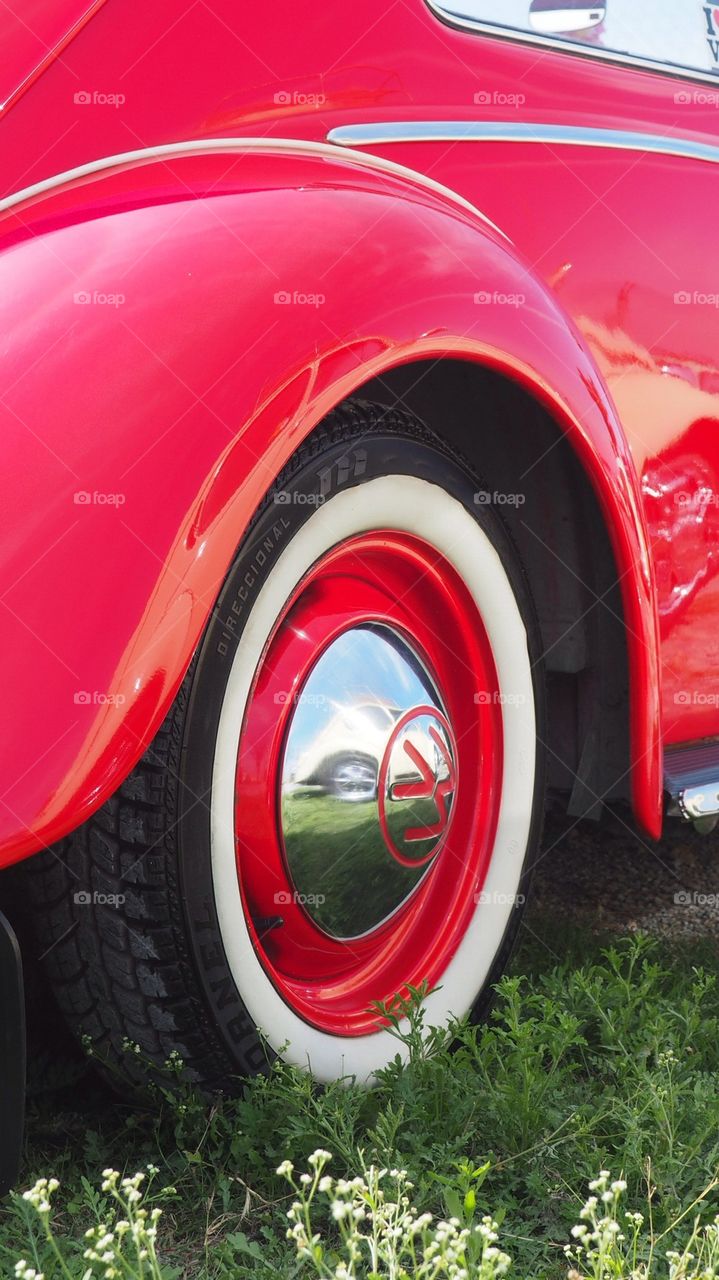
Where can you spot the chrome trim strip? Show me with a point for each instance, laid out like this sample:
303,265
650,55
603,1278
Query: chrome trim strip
200,145
514,36
375,135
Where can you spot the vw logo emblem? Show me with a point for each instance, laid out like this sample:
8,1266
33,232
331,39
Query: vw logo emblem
416,786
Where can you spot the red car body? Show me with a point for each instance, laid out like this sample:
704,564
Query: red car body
170,180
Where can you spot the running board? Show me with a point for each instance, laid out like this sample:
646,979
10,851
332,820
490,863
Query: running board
691,780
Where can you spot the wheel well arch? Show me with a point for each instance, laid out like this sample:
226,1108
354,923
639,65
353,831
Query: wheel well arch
529,470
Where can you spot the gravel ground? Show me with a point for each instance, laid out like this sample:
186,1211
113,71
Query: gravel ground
609,878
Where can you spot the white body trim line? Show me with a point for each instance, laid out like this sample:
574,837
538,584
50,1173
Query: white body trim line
146,155
375,135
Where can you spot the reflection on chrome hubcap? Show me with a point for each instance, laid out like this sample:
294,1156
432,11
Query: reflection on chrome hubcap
369,775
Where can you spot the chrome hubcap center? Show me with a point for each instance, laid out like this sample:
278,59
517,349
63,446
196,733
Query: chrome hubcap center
368,778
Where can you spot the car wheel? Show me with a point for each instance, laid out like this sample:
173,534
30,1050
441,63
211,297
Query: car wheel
214,894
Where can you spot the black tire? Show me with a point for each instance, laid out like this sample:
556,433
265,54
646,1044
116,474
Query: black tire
148,963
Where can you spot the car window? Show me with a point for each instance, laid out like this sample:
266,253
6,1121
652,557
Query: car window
679,34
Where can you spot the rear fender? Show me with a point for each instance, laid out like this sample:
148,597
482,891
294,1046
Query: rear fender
173,324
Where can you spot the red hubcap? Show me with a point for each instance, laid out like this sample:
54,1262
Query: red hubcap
447,759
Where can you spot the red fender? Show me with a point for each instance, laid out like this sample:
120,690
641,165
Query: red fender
156,378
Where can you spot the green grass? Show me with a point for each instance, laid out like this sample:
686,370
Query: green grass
314,825
607,1058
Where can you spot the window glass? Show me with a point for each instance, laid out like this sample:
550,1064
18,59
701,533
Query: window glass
678,33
